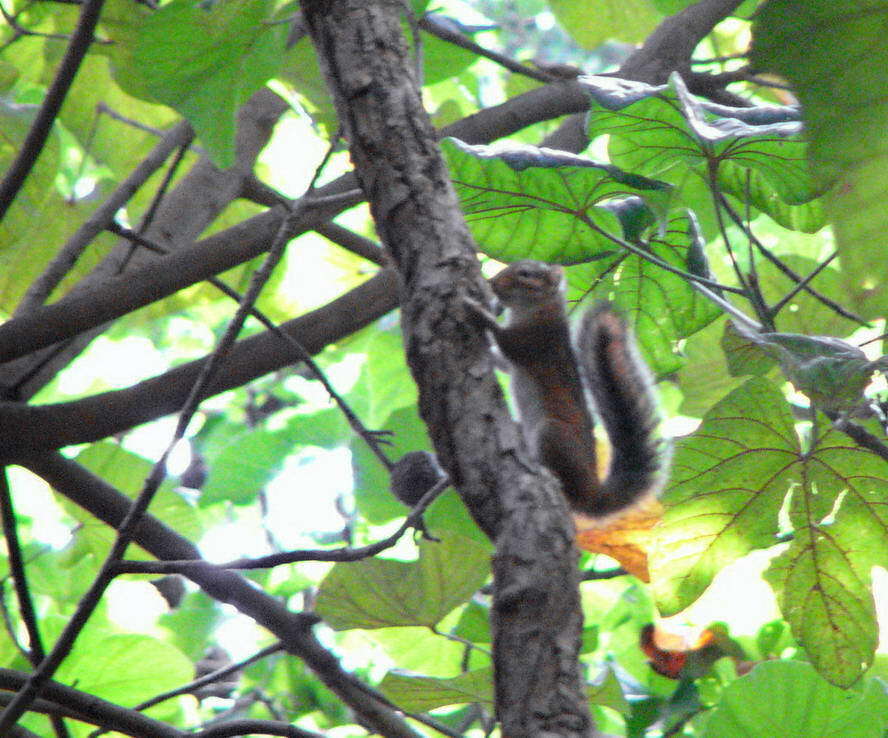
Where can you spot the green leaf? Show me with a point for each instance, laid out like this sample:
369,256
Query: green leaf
662,306
608,692
379,593
127,472
191,624
386,380
804,313
422,693
243,460
592,22
419,649
525,202
823,580
301,70
835,57
125,668
665,132
442,59
207,63
705,377
744,357
729,481
832,373
474,623
788,699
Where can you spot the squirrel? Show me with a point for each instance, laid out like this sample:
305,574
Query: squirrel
549,378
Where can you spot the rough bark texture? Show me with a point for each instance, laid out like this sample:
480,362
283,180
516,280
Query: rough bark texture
536,618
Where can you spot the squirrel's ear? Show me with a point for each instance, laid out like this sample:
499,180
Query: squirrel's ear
556,274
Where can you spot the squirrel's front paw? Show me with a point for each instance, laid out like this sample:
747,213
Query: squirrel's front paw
479,313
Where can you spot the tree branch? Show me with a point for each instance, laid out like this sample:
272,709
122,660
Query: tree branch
63,700
251,727
439,27
47,667
347,553
293,629
183,214
52,103
68,255
126,292
537,619
25,429
36,652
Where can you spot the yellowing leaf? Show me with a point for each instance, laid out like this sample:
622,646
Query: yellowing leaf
625,538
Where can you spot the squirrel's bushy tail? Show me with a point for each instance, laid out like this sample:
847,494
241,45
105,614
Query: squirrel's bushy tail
622,391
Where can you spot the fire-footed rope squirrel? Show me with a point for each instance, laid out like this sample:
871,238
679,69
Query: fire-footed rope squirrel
550,376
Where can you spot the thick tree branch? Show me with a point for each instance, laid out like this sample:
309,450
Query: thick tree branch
670,46
536,617
62,700
46,669
233,728
167,275
667,49
28,428
181,216
293,629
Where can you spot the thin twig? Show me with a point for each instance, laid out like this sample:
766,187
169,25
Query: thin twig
832,304
25,696
345,553
746,290
159,194
859,435
8,624
27,613
19,30
373,439
197,683
64,261
632,248
596,575
52,103
439,28
780,304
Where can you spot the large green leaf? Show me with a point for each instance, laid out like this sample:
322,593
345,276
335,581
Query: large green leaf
205,63
836,58
661,305
125,668
127,472
191,624
823,581
416,693
592,22
730,481
525,202
788,699
665,132
300,69
380,593
243,460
